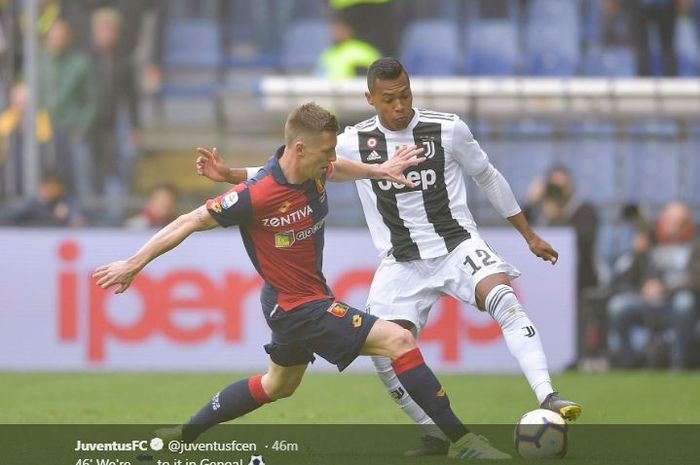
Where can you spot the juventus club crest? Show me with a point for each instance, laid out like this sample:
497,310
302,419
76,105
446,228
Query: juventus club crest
428,144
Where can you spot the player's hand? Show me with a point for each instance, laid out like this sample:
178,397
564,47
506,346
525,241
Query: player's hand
119,274
405,157
210,165
542,249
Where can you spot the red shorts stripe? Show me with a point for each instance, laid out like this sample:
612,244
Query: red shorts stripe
408,361
256,390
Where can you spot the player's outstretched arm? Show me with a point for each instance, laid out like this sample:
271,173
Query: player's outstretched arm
210,165
537,245
122,272
391,170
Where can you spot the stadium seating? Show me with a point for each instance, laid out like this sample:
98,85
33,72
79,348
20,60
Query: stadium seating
193,43
590,152
522,162
442,9
193,58
651,163
492,9
421,56
441,38
610,62
692,150
492,48
307,9
187,9
246,45
552,38
303,43
687,47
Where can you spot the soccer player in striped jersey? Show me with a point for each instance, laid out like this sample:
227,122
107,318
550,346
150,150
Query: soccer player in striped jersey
426,234
281,213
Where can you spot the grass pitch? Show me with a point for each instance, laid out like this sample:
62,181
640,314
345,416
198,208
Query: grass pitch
127,398
664,404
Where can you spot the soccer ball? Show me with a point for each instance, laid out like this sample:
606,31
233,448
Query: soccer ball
541,434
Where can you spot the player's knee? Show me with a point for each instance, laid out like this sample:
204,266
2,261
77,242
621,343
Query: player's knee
503,305
400,341
281,391
280,388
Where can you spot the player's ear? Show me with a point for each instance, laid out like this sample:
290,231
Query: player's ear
369,98
299,147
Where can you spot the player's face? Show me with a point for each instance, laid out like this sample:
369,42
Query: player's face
393,101
318,152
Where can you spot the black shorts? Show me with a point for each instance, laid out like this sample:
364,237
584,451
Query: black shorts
328,328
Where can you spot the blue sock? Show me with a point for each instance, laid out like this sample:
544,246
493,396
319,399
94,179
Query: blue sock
422,385
234,401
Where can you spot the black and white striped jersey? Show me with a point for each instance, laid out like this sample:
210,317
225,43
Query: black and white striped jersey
432,218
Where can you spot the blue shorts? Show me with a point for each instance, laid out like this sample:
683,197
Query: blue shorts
330,329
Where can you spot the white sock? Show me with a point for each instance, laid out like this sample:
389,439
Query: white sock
522,339
398,393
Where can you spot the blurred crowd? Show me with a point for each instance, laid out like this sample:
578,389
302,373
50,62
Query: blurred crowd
89,81
646,313
99,58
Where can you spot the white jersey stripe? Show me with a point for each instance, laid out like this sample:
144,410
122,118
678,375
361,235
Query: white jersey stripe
432,218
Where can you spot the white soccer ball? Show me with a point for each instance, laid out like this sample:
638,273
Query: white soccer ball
541,434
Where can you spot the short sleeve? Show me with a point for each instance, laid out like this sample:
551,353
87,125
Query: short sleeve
232,208
467,150
344,147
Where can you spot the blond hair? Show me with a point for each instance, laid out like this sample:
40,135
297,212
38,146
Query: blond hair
106,15
309,120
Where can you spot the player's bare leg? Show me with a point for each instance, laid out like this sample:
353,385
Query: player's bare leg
238,399
391,340
495,295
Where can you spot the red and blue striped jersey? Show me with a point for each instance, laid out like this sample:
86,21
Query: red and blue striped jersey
282,226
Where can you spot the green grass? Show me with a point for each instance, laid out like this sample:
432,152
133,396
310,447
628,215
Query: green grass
142,400
610,398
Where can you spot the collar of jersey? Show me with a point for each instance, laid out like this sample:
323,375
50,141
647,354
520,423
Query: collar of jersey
278,174
411,124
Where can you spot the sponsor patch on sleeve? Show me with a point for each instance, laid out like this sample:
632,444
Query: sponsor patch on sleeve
229,199
214,205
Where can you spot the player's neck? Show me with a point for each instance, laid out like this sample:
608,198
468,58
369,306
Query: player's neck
291,168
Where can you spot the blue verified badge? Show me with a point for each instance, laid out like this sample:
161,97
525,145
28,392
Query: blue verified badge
229,200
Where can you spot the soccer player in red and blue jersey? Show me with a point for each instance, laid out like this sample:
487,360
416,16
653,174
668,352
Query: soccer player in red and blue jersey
280,213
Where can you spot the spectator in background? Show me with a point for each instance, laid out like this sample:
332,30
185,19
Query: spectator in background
348,57
136,30
69,92
6,53
14,16
52,206
658,16
617,23
79,14
553,202
656,300
117,98
160,210
374,22
11,140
